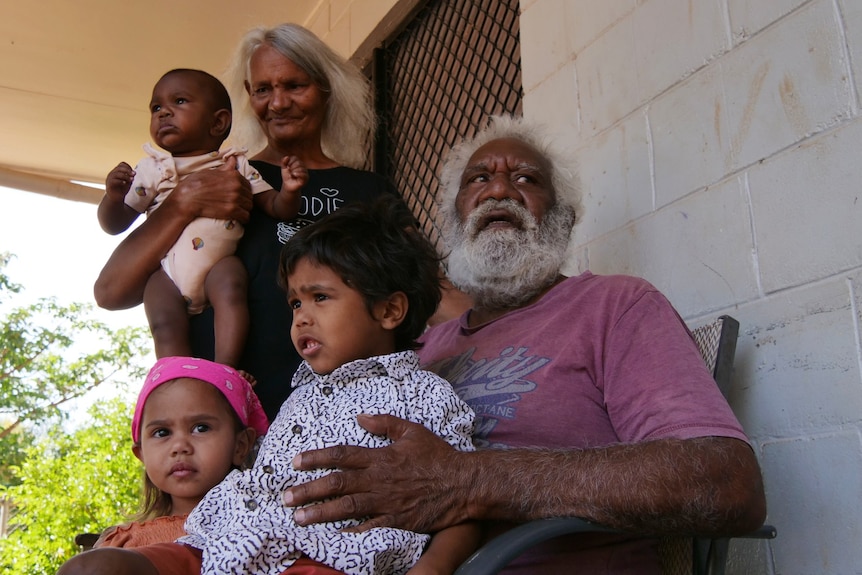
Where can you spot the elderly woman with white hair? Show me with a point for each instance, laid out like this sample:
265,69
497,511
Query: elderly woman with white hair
294,96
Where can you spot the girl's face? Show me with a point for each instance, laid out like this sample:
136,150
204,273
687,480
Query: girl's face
331,324
189,440
291,108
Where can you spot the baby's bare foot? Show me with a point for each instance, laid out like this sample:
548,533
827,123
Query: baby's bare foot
248,377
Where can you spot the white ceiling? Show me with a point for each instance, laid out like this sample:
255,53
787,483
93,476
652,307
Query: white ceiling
76,75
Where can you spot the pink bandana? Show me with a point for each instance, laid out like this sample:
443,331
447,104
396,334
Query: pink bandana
225,378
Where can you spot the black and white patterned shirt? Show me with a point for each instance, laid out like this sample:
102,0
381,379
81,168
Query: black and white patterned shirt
242,526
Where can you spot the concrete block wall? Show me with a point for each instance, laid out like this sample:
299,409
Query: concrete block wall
720,146
345,24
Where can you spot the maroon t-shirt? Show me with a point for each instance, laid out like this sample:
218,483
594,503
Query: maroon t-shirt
598,360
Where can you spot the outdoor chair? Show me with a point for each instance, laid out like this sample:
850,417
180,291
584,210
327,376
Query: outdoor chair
679,555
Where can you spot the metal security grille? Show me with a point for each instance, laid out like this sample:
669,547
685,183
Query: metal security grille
456,63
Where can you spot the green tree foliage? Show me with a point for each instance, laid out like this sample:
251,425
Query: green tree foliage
12,450
71,483
62,483
49,355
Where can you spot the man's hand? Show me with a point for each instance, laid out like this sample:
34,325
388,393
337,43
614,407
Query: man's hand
412,484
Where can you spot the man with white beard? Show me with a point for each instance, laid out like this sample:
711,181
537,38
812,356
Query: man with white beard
592,400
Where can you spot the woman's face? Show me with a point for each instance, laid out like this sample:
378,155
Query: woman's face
290,107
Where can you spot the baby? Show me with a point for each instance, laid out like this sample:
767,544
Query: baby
190,117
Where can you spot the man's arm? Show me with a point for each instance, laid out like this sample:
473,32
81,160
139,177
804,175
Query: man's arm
221,193
709,485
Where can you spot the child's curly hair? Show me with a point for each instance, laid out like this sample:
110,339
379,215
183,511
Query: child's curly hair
377,250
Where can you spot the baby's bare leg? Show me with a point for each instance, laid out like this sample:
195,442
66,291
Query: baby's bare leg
108,561
227,291
168,316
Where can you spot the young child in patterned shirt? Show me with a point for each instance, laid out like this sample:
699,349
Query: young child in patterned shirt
362,283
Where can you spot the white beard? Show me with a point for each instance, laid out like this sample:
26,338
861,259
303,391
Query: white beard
505,268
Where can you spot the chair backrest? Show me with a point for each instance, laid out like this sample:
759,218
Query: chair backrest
717,344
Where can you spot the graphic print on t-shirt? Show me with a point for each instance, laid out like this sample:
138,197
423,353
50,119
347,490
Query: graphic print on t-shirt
492,387
314,206
324,202
286,230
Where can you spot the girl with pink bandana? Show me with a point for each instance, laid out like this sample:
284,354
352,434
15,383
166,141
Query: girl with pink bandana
194,421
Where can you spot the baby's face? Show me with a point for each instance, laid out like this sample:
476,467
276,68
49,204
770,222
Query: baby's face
182,116
331,324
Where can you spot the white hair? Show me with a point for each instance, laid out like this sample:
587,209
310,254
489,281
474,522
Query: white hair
349,122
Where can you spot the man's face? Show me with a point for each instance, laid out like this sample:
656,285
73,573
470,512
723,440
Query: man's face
504,169
508,235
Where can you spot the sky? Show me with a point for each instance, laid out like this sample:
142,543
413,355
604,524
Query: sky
59,250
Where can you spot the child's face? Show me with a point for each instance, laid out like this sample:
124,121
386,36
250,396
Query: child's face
189,441
183,116
331,324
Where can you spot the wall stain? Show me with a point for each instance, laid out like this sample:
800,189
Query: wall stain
792,106
754,91
716,120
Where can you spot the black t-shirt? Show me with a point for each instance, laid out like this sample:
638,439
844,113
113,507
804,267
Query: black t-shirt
269,354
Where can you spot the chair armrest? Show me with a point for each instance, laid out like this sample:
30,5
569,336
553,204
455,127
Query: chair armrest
497,553
86,540
762,532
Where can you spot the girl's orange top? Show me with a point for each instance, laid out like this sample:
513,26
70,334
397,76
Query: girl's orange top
137,534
